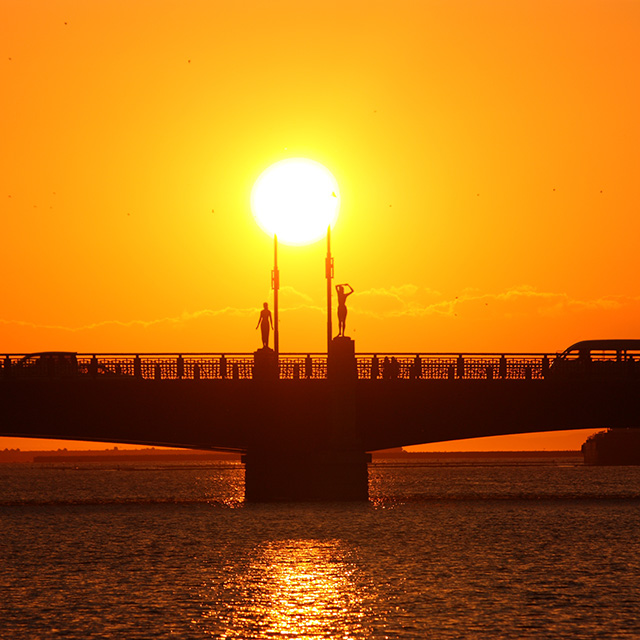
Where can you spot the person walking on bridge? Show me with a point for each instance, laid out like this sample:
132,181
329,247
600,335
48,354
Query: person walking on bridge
264,322
342,306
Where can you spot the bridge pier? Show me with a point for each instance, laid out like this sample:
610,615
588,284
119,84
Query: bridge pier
306,476
316,460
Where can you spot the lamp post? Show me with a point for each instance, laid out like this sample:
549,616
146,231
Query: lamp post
275,285
296,198
328,267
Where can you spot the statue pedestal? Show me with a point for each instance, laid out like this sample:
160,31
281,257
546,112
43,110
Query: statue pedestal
342,360
265,364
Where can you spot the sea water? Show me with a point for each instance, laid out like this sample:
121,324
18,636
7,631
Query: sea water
483,550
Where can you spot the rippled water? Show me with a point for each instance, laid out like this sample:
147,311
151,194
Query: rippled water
453,551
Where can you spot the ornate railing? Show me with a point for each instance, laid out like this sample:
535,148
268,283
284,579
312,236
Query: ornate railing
291,366
449,366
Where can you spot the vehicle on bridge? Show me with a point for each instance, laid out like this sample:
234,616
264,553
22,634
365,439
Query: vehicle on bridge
56,364
47,363
601,358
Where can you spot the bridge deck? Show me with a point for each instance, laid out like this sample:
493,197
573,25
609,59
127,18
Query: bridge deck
239,414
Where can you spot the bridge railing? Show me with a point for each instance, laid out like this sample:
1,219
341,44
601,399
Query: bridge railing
298,366
449,366
291,366
170,366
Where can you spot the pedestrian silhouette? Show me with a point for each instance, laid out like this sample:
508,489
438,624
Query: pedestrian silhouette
342,306
375,367
264,322
386,368
417,366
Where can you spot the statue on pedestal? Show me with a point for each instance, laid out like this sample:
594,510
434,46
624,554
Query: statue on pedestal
342,306
264,322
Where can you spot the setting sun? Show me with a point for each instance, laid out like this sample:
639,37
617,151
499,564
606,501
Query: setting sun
296,199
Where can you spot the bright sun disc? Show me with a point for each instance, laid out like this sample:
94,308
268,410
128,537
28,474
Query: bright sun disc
297,199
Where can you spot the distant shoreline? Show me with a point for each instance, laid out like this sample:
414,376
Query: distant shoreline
169,455
432,455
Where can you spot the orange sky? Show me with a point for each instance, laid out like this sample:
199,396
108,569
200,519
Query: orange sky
486,152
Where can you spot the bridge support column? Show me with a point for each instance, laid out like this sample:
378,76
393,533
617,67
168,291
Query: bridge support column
318,459
306,476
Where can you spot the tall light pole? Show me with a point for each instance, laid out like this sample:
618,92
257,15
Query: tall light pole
297,199
328,266
275,285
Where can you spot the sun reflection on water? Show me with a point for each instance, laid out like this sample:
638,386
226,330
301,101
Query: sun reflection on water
294,589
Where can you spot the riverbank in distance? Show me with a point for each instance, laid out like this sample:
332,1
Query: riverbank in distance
199,455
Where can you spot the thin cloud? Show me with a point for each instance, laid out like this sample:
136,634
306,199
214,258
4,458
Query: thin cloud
401,301
409,301
288,290
394,292
181,319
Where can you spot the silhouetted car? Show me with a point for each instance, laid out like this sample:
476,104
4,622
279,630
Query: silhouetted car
606,358
62,364
47,363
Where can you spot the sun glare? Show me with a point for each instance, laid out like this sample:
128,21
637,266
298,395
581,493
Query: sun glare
297,199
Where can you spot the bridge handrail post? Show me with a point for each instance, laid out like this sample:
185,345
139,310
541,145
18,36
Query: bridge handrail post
502,367
180,367
460,367
137,367
308,367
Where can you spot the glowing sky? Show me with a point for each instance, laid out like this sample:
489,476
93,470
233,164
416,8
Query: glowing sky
487,154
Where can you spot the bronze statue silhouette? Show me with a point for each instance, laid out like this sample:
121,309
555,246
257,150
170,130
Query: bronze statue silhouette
264,322
342,306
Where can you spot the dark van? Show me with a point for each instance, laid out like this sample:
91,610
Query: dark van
609,358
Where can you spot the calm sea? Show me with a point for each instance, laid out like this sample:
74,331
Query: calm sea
509,550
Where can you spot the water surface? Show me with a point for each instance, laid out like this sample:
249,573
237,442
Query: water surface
440,551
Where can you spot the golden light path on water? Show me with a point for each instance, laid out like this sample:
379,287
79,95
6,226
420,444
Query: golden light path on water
295,589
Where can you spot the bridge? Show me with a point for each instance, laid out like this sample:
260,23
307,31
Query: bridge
305,421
